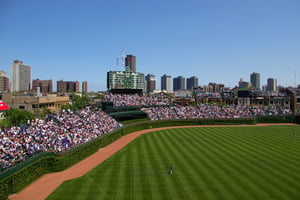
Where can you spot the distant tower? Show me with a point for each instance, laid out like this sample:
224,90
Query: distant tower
191,82
150,80
178,83
271,85
130,62
20,77
84,87
255,80
166,83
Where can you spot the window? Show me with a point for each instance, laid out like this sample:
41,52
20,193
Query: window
21,107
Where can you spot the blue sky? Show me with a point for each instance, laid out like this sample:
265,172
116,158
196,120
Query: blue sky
215,40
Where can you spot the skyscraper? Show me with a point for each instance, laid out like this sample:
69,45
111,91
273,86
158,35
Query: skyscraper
130,62
271,85
4,82
255,80
178,83
150,79
191,82
166,83
84,87
20,77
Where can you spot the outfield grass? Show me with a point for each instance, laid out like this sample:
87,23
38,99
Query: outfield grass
233,163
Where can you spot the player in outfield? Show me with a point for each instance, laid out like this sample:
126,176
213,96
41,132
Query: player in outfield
171,169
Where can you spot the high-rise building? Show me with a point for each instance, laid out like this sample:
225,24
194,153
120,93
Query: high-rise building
20,77
130,62
44,85
77,86
166,83
178,83
271,85
151,84
4,82
216,88
244,84
191,82
61,86
67,86
84,87
255,80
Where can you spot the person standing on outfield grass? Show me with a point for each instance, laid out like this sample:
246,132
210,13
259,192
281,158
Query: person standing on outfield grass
171,169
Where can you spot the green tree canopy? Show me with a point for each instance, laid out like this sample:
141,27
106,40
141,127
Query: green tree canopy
16,117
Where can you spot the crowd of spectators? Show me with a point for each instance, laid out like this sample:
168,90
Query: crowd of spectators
266,111
58,132
63,130
211,111
136,100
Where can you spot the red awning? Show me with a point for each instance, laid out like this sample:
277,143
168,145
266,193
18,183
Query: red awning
3,106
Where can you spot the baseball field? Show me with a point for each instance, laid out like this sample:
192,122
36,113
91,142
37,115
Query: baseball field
208,163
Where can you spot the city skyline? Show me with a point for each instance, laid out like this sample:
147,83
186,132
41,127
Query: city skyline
215,41
254,77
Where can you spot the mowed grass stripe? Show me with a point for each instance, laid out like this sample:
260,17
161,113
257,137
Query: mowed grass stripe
270,156
282,138
235,186
189,165
265,151
193,144
216,156
275,170
225,183
243,169
118,183
207,178
228,140
158,163
233,163
196,140
268,168
174,184
144,170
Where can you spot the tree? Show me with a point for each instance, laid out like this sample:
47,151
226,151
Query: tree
17,117
99,96
4,123
44,112
78,102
